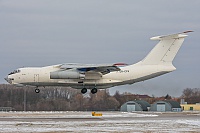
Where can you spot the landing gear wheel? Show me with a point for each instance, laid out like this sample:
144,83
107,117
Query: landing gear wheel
37,90
93,91
84,90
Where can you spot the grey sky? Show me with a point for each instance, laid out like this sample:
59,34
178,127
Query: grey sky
47,32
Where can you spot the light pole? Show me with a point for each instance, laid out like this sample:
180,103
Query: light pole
24,99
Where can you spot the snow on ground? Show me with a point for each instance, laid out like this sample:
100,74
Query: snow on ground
110,122
70,114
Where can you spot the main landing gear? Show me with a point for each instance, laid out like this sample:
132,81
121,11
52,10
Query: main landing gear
84,90
93,91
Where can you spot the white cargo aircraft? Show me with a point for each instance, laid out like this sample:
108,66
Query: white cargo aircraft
101,76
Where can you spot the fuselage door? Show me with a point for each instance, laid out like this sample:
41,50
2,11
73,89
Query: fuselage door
36,77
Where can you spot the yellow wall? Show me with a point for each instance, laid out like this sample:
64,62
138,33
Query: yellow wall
188,107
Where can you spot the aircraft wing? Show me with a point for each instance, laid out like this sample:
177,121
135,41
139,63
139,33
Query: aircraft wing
101,68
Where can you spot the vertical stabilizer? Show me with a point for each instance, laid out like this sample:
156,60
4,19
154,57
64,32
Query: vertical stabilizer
165,51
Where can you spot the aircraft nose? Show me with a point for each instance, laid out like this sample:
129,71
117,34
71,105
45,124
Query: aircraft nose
8,80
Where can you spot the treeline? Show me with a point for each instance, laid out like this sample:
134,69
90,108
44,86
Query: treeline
55,99
191,96
68,99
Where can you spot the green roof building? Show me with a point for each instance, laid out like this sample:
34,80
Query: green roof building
137,105
166,105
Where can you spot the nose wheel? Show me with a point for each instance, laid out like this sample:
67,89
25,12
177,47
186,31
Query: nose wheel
37,90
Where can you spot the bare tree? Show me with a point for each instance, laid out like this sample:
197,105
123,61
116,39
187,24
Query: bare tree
191,95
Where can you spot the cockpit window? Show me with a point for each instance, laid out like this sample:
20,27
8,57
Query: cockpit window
15,71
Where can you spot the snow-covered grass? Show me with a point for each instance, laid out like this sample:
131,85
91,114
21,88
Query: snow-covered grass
69,114
110,122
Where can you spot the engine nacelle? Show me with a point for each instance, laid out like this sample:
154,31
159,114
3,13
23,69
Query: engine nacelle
67,74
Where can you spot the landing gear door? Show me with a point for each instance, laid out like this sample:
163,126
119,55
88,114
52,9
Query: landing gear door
36,78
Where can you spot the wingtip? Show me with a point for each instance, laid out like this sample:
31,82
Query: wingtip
188,31
120,64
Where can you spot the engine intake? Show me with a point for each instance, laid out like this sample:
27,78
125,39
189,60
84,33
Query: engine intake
68,74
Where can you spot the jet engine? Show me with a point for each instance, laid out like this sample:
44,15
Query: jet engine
67,74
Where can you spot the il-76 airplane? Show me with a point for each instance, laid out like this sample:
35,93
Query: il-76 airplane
101,76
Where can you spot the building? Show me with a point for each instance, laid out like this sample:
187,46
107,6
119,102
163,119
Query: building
167,105
191,107
137,105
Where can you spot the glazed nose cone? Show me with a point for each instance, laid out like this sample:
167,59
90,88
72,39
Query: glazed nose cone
8,80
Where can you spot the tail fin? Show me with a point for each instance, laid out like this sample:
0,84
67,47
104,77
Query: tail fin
165,50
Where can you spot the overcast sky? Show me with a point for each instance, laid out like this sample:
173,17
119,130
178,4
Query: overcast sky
48,32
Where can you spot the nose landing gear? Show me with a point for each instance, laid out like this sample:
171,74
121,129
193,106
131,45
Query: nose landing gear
37,90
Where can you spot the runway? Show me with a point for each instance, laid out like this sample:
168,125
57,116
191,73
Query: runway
60,122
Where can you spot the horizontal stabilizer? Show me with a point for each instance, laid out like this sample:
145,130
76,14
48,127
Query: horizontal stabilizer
172,36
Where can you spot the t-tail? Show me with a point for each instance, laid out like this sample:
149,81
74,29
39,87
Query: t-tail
166,49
